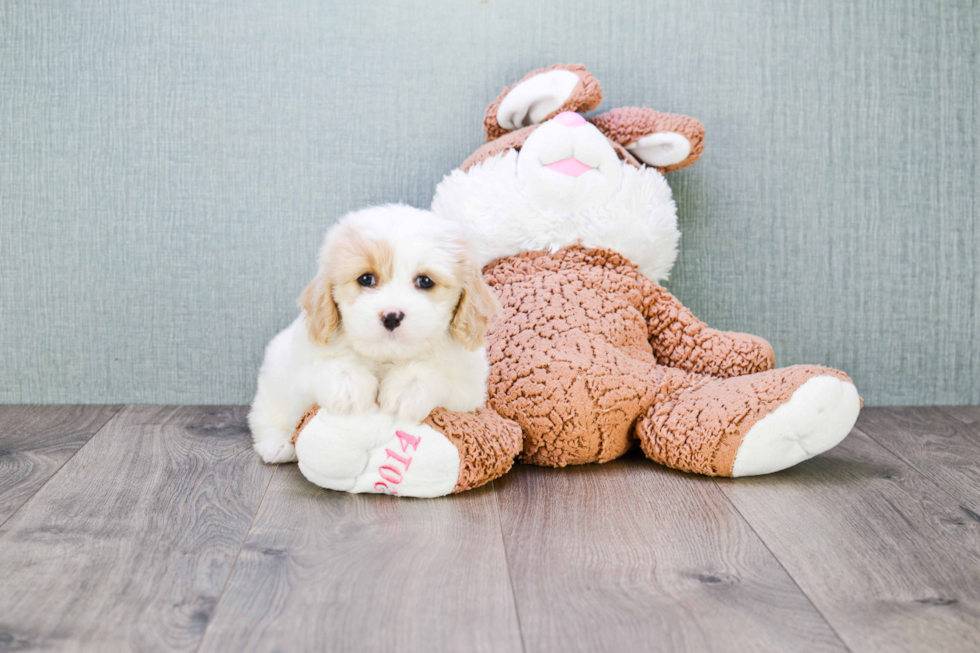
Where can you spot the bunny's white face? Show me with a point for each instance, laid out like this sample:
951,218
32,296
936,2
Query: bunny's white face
547,178
568,165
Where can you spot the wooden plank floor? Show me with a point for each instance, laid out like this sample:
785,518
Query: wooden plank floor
155,528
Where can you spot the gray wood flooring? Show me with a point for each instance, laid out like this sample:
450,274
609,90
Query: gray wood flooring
155,528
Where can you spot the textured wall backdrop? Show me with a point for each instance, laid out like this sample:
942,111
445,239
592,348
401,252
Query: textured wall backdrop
167,170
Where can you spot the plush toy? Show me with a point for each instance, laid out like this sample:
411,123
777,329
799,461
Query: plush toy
590,354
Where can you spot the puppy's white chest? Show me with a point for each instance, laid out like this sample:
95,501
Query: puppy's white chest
383,368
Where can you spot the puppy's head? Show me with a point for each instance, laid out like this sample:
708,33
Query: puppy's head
396,279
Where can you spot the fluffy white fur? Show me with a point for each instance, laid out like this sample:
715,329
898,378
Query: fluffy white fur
339,354
513,203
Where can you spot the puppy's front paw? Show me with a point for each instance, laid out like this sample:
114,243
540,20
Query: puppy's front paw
407,396
346,388
275,450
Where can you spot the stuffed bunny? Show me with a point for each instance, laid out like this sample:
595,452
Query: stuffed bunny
577,226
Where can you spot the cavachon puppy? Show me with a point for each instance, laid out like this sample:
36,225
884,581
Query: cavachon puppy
392,326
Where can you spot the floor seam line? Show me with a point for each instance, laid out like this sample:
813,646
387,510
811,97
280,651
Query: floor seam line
779,562
510,577
105,424
234,562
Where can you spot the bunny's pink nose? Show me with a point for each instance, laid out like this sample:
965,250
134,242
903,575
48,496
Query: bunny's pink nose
570,119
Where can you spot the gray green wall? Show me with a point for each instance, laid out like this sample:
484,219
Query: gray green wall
167,169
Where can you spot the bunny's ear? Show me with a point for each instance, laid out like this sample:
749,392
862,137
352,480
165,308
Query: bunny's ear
541,95
666,141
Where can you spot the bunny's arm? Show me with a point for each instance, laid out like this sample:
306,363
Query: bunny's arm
682,341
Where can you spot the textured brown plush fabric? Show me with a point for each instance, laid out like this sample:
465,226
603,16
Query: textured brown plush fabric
586,96
574,354
697,423
683,341
627,125
487,444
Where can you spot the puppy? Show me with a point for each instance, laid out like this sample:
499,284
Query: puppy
396,316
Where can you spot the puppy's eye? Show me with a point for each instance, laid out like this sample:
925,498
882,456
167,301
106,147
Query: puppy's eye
366,280
424,282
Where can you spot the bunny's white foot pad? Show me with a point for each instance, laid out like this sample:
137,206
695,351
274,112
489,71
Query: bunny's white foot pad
816,417
374,453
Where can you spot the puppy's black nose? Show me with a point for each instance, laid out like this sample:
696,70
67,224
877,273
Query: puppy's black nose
392,320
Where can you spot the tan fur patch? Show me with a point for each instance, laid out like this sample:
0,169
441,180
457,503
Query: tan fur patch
322,314
351,254
478,304
354,254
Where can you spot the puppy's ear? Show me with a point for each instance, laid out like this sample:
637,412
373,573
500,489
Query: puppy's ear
666,141
322,314
540,96
475,311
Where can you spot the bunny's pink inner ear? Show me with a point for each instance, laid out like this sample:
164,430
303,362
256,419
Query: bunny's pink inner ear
540,96
666,141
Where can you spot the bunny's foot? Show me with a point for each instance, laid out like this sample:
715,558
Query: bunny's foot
376,453
750,425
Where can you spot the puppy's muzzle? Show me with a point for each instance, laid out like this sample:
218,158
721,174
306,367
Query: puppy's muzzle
392,319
